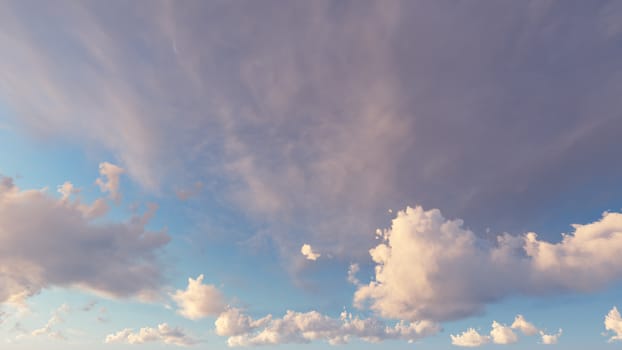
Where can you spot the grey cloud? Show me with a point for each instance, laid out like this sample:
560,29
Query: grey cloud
46,242
314,117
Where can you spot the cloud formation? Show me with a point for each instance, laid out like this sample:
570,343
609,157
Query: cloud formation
199,300
274,122
429,267
308,253
304,327
613,324
502,334
47,242
162,333
110,182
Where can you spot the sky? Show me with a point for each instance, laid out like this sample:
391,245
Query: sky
315,174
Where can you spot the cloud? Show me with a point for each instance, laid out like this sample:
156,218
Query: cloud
502,334
52,322
48,242
163,333
109,182
428,267
273,122
308,252
550,339
184,194
304,327
469,338
352,271
66,190
199,300
613,324
526,327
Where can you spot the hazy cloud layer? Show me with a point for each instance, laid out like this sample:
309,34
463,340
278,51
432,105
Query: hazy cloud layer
429,267
45,242
314,117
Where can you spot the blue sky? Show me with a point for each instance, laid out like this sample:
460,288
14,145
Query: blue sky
343,174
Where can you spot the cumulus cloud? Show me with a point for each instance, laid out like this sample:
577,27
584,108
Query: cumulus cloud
526,327
162,333
613,324
109,182
502,334
199,300
304,327
47,242
469,338
428,267
550,339
308,252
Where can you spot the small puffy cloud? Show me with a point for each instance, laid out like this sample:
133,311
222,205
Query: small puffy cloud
524,326
550,339
162,333
117,259
352,271
613,324
469,338
304,327
428,267
109,182
66,190
199,300
502,334
308,252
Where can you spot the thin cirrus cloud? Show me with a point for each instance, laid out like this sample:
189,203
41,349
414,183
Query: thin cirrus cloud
323,143
117,259
429,267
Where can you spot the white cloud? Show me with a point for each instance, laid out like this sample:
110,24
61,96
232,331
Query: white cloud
550,339
502,334
163,333
50,242
308,252
526,327
199,300
304,327
469,338
110,182
613,323
428,267
56,319
352,271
